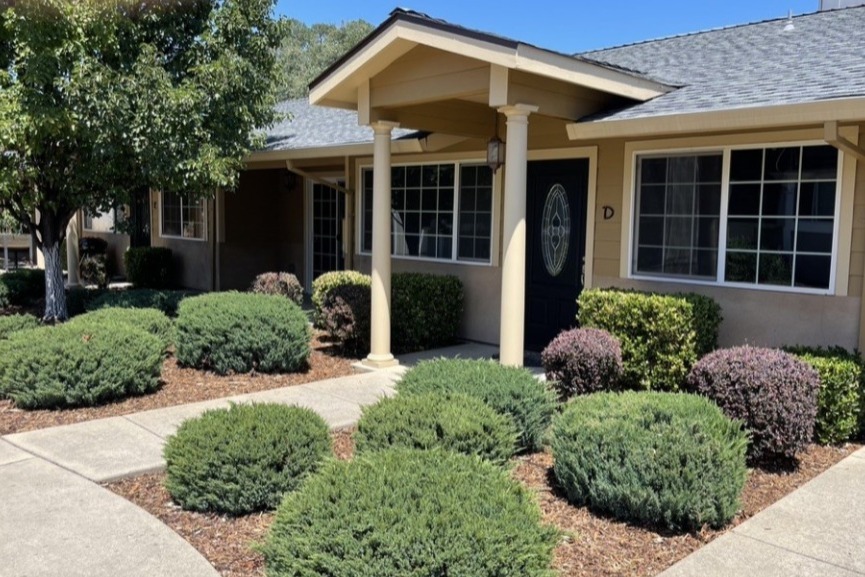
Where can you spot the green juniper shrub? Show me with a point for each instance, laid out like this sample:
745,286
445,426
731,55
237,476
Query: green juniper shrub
166,300
13,323
21,287
149,267
772,392
279,283
327,282
453,422
408,512
661,335
152,321
427,311
662,459
839,402
245,458
510,391
581,361
346,317
234,332
78,364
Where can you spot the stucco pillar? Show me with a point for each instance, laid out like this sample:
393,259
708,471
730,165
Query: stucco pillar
72,252
512,334
380,355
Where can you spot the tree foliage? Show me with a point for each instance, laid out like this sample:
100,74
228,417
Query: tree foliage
99,98
306,51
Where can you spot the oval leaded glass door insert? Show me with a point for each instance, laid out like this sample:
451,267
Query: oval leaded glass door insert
556,230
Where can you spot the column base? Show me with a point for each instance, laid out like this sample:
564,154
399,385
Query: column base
380,361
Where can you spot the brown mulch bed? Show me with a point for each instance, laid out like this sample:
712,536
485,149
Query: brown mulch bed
181,386
593,546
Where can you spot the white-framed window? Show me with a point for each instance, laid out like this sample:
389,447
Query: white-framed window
441,211
181,217
764,217
101,222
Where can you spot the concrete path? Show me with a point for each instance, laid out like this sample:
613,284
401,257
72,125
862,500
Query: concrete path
818,530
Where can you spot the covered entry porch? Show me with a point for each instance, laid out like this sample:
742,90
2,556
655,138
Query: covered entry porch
423,74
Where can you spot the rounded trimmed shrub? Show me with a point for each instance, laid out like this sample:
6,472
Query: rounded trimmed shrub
279,283
328,281
234,332
665,459
151,321
244,458
839,402
345,315
14,323
149,267
74,365
408,512
21,287
510,391
165,300
581,361
771,392
454,422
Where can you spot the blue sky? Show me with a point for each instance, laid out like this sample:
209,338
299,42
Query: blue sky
563,25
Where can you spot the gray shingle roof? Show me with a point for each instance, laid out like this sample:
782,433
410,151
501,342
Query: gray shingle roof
308,126
760,64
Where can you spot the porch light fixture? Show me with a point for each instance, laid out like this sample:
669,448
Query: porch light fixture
495,153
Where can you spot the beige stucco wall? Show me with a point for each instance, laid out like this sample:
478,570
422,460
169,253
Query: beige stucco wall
264,228
193,259
481,289
759,317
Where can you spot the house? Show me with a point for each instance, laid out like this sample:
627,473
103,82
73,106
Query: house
725,162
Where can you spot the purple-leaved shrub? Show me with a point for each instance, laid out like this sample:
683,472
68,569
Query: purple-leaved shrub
581,361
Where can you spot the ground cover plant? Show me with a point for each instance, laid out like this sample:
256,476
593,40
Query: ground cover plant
664,459
244,458
581,361
235,332
770,391
511,391
398,512
10,324
453,422
151,321
78,365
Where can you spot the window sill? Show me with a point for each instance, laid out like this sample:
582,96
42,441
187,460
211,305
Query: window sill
189,238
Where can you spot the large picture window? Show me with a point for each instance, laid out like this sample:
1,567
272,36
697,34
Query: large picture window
101,221
182,217
778,211
438,211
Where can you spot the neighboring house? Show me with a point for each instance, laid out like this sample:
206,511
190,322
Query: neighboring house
724,162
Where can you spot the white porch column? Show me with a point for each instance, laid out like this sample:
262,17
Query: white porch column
72,252
512,334
380,355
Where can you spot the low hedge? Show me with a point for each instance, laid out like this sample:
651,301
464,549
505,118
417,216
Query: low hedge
13,323
21,287
151,321
407,512
234,332
279,283
770,391
74,365
244,458
510,391
840,400
426,310
149,267
454,422
661,336
330,280
581,361
167,300
664,459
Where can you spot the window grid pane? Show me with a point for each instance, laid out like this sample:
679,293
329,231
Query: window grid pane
182,217
476,213
679,208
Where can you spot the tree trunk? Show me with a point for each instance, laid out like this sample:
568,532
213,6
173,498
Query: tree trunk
55,291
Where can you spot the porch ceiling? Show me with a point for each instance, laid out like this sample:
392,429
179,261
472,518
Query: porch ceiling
431,76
